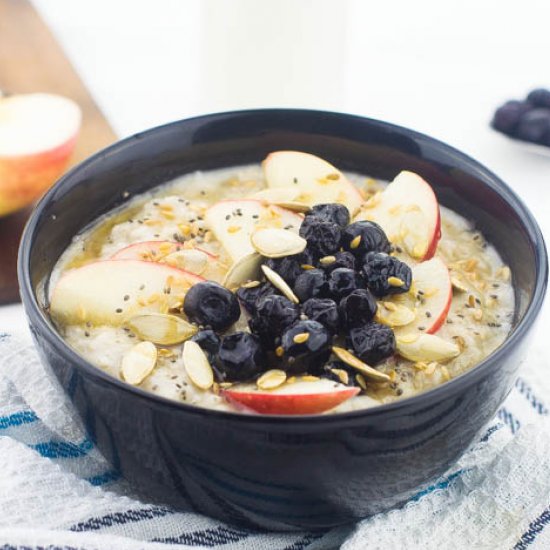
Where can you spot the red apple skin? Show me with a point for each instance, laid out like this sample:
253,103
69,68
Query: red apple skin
134,251
23,178
288,404
441,319
430,253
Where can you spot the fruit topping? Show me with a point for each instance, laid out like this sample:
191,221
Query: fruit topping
291,266
241,357
209,342
274,313
357,308
331,212
324,311
539,98
507,117
210,304
386,274
372,342
343,281
305,347
249,295
340,259
364,236
311,283
534,126
323,238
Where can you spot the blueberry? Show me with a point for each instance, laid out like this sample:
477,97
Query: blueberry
310,284
305,347
357,308
209,341
341,259
534,126
248,297
240,357
324,311
290,267
323,238
539,98
506,118
339,372
343,281
274,313
331,212
364,236
386,275
210,304
372,342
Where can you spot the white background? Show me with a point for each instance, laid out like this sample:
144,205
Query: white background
440,67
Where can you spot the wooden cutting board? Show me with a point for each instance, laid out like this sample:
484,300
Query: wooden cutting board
32,61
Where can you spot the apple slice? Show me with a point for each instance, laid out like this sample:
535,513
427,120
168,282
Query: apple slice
234,221
37,136
298,398
195,260
318,181
433,294
408,212
112,291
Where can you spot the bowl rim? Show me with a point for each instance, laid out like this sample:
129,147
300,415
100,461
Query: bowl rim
36,315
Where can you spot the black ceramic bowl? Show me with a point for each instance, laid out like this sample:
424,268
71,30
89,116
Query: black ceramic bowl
279,472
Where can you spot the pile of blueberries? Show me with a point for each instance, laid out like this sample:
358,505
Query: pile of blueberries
528,120
337,279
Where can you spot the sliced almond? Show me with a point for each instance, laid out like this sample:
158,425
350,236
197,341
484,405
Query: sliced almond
197,366
278,282
162,329
426,348
271,379
195,261
138,363
366,370
243,270
295,206
394,315
277,243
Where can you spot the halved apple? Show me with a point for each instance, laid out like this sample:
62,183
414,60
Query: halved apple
234,221
408,212
432,297
113,291
318,181
195,260
292,399
37,136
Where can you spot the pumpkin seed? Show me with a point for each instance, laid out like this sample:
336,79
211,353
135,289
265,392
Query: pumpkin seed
195,261
277,243
197,366
243,270
271,379
426,348
138,363
295,206
361,381
278,282
394,315
327,260
342,375
350,359
162,329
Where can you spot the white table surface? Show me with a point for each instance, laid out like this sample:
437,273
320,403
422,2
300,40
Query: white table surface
438,67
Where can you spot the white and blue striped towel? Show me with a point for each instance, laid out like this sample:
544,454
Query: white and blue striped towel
57,491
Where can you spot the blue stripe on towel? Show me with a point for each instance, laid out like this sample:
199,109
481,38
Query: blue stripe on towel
120,518
61,449
18,418
208,537
443,484
103,479
508,418
527,392
534,529
305,542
